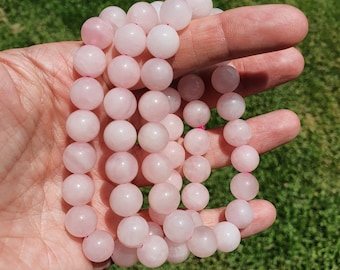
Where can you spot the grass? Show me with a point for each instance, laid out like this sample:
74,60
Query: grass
300,178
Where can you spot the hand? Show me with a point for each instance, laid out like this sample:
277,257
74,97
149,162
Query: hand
34,99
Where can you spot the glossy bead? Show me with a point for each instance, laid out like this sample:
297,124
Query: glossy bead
77,189
98,246
240,213
203,242
79,157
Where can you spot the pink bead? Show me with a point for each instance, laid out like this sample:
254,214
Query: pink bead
245,158
200,8
154,251
132,231
196,113
114,15
153,106
203,242
82,126
123,71
164,198
153,137
157,74
174,99
86,93
228,236
175,153
174,126
124,256
175,13
197,141
175,179
89,61
230,106
130,39
120,103
97,32
244,186
178,226
79,157
120,135
191,87
240,213
178,252
157,6
98,246
77,189
121,167
143,14
126,200
162,41
196,217
80,221
237,132
225,79
195,196
155,229
156,168
196,169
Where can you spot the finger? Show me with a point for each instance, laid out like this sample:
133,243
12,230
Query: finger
258,73
264,217
238,33
268,132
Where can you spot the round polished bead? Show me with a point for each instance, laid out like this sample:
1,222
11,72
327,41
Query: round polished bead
237,132
79,157
153,252
195,196
240,213
196,113
121,167
132,231
203,242
225,78
200,8
114,15
228,236
175,153
175,179
230,106
156,168
124,256
164,198
143,14
244,186
175,13
178,226
191,87
153,137
153,106
196,169
77,189
174,126
178,252
98,246
157,74
245,158
174,99
197,141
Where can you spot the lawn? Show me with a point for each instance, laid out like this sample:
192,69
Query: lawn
300,178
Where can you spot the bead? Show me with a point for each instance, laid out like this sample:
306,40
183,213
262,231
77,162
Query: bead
156,168
245,158
230,106
225,79
175,153
228,236
195,196
153,137
237,132
175,179
77,189
200,8
178,226
153,106
154,251
174,126
174,99
143,14
132,231
121,167
175,13
157,74
196,113
164,198
191,87
178,252
203,242
197,141
196,169
244,186
240,213
114,15
124,256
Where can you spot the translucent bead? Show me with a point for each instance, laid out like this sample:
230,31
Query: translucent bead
157,6
162,41
123,71
240,213
153,106
143,14
195,196
154,251
121,167
86,93
82,125
77,189
228,236
156,168
200,8
130,39
237,132
156,74
132,231
175,179
98,246
196,113
230,106
225,78
115,15
120,103
97,32
244,186
126,200
196,169
197,141
196,217
124,256
164,198
175,153
191,87
178,226
79,157
174,99
120,135
174,126
178,252
80,221
155,229
245,158
203,242
153,137
89,61
175,13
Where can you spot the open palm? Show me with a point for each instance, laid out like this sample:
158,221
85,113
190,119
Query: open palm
34,105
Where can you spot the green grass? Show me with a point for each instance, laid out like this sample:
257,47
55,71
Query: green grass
300,178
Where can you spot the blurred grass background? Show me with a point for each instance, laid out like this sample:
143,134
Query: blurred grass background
301,178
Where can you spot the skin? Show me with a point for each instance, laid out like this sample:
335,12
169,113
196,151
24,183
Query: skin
34,105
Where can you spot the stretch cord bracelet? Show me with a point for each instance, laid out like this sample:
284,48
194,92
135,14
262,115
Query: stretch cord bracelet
170,234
